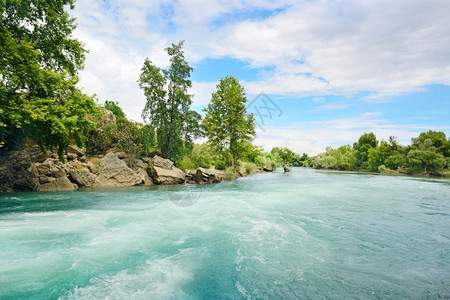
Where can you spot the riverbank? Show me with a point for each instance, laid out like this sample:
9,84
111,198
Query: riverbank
31,169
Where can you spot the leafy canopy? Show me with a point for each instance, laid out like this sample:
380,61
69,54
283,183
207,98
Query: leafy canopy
227,125
38,67
168,103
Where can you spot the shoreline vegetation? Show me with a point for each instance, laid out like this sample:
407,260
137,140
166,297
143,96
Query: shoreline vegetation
53,136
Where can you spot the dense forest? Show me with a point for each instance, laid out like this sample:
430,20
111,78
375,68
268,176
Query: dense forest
40,102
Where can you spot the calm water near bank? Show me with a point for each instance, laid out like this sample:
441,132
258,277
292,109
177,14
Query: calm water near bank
307,234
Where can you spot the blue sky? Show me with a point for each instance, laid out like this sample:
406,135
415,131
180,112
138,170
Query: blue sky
331,70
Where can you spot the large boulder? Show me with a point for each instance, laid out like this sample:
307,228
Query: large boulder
58,184
208,175
162,171
113,172
17,171
82,177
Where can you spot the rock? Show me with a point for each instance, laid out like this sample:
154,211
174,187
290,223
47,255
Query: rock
146,179
146,160
71,156
74,150
267,169
113,172
58,172
83,178
140,164
121,154
45,179
190,176
82,158
166,176
208,175
93,164
160,162
162,171
286,170
59,184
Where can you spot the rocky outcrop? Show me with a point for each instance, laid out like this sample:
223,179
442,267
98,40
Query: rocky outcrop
114,172
33,170
58,184
162,171
83,177
208,175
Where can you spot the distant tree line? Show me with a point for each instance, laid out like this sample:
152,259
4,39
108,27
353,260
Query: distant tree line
428,154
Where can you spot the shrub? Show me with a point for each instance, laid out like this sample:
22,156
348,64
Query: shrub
230,174
248,168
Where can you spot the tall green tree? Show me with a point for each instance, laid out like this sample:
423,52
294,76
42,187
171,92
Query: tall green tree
228,126
168,103
365,142
38,67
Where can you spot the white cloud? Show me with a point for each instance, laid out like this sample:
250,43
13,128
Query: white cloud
319,99
320,47
314,137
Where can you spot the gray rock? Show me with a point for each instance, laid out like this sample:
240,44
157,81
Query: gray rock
146,179
59,184
71,156
72,149
160,162
162,171
83,178
208,175
267,169
140,163
166,176
113,172
121,154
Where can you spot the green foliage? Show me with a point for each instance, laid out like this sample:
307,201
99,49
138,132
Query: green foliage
426,155
342,158
365,142
115,109
248,168
227,125
122,135
168,104
286,156
389,154
230,173
266,160
202,155
426,160
38,66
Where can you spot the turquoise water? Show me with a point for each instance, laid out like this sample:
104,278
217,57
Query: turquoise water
304,235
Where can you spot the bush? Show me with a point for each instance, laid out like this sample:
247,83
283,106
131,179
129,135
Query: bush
248,168
230,174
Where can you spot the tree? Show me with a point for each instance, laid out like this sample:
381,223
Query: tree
227,125
365,142
426,160
168,103
38,66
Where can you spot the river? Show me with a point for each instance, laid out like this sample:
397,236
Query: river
307,234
